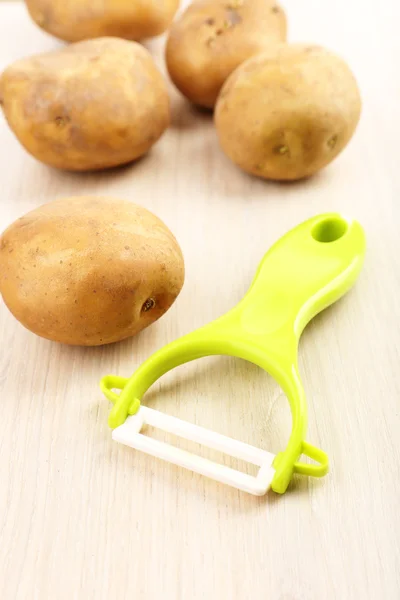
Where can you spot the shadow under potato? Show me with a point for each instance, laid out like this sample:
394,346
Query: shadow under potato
185,115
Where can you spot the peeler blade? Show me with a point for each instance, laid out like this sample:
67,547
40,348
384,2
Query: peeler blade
130,435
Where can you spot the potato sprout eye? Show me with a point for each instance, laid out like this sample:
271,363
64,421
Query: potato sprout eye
148,305
61,121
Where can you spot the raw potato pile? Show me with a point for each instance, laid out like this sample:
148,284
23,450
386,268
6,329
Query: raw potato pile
92,105
282,111
89,271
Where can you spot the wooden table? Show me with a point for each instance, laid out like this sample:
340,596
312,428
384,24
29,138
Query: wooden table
82,517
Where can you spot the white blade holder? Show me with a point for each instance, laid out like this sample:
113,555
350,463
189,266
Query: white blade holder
130,434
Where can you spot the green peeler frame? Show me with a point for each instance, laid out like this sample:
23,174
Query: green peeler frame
307,270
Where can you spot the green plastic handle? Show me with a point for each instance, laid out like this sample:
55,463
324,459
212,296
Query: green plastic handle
307,270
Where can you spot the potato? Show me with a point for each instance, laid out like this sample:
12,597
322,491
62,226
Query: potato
288,112
77,20
89,270
213,37
89,106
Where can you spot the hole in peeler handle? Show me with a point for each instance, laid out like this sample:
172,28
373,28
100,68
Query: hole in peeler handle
329,229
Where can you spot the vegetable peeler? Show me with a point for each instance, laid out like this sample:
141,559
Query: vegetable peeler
308,269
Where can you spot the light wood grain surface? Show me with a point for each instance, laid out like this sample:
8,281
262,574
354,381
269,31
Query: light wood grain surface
82,517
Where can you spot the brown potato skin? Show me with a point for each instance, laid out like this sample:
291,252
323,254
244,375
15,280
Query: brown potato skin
91,105
80,270
213,37
77,20
287,113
